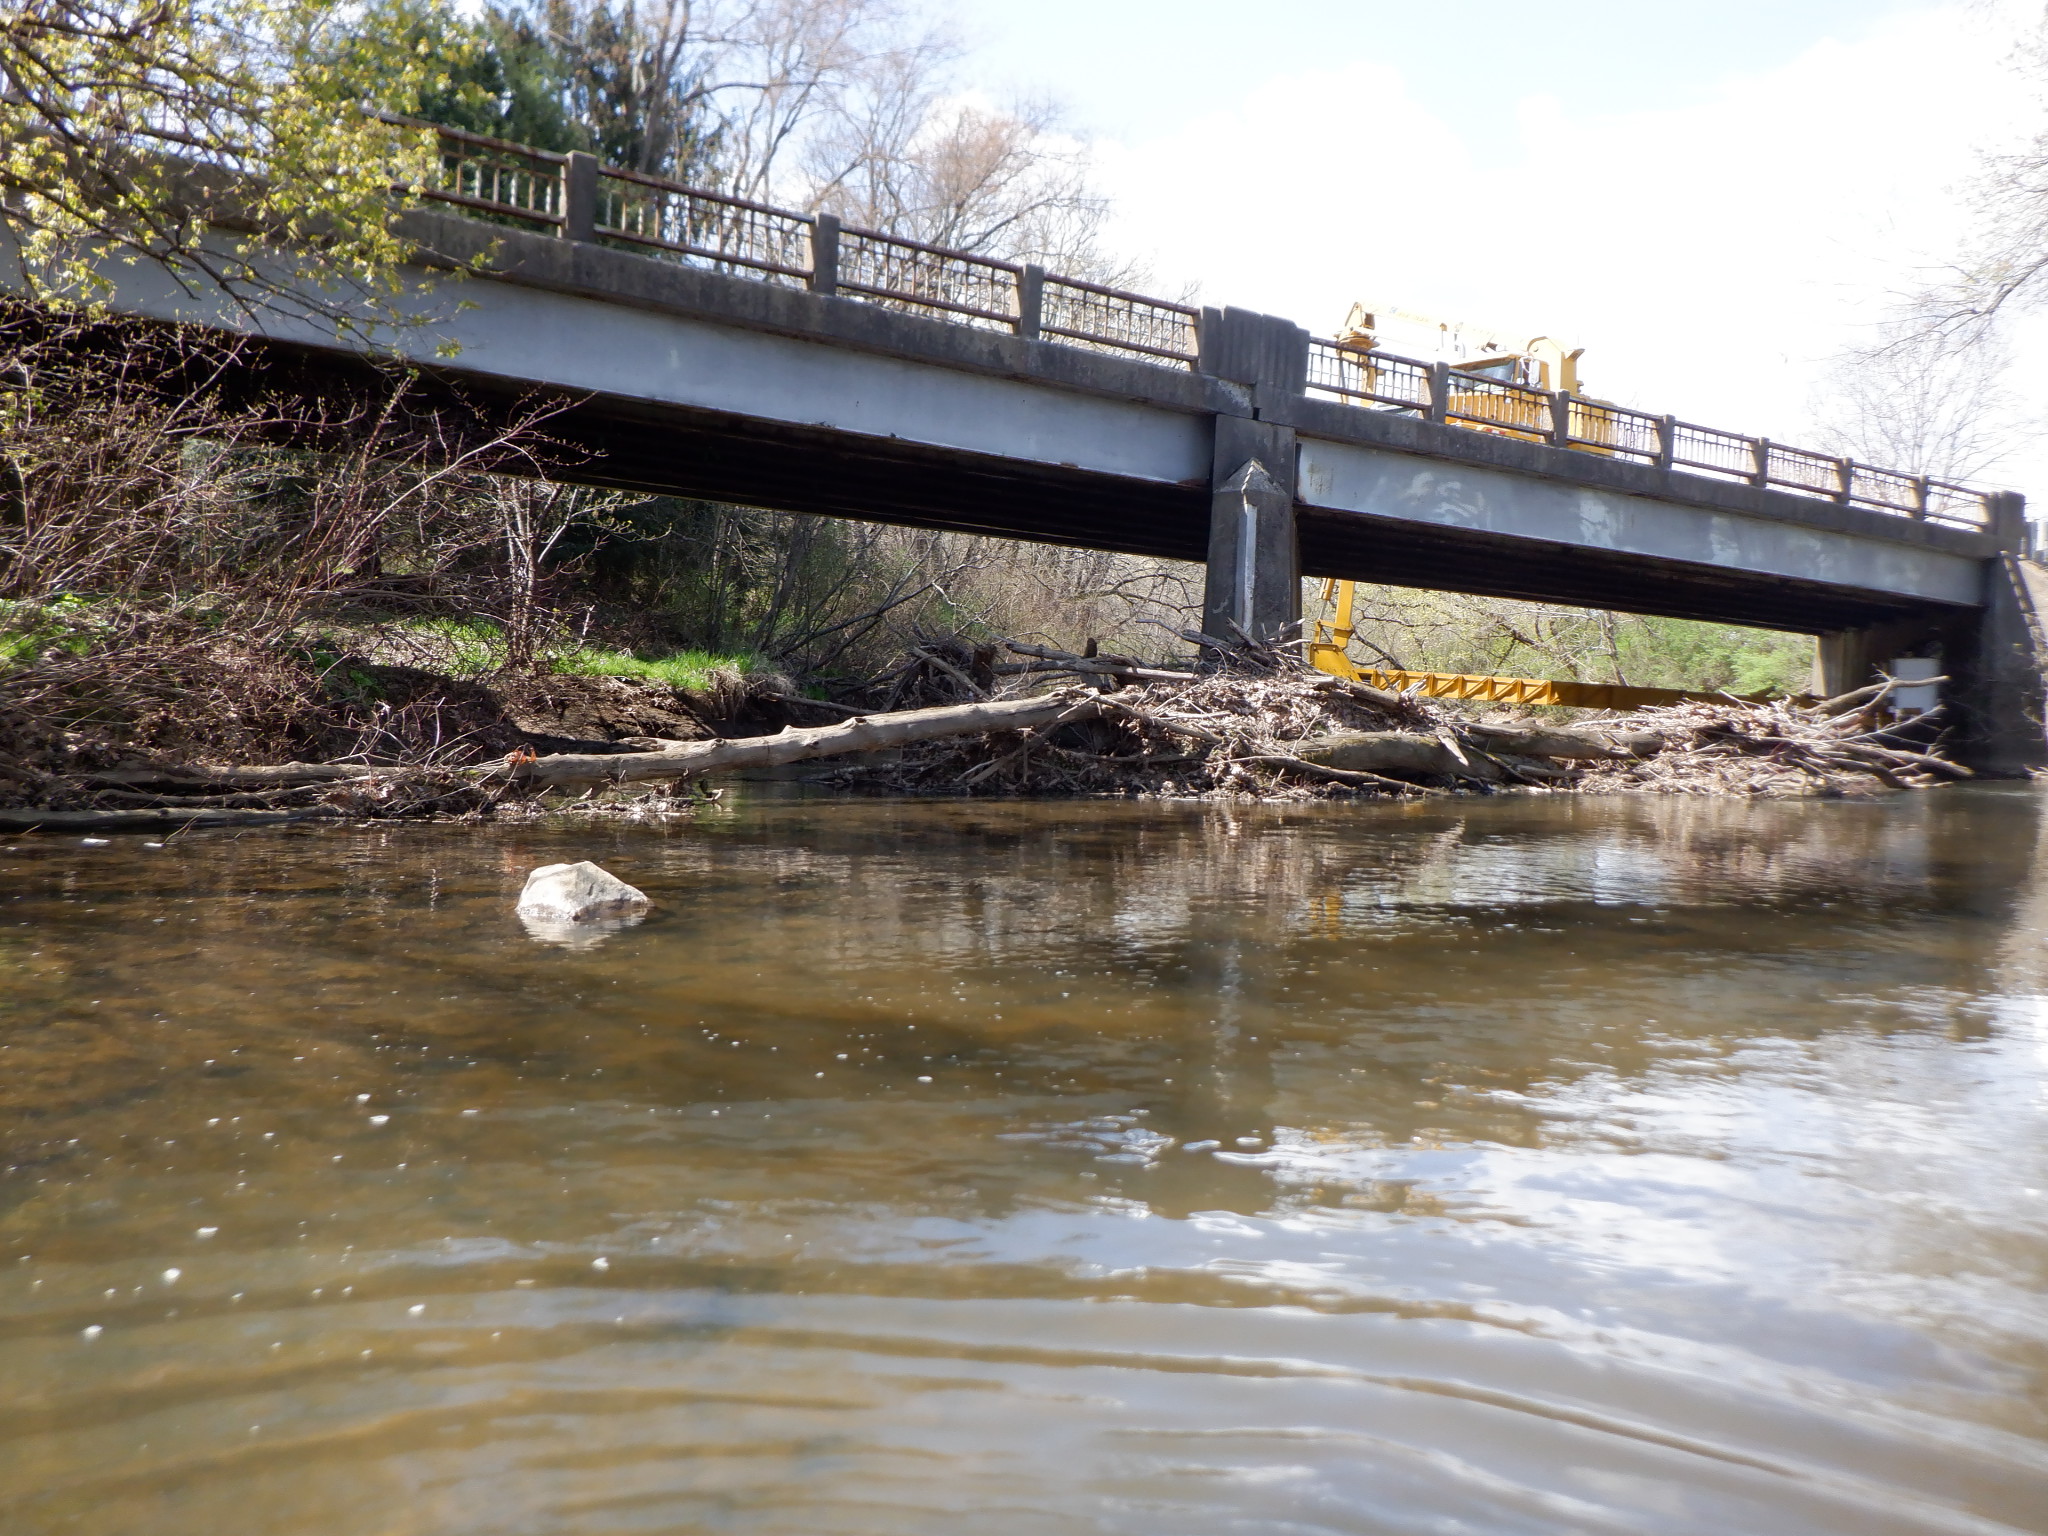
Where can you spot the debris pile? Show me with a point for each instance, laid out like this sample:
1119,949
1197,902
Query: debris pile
1267,727
1779,750
1260,725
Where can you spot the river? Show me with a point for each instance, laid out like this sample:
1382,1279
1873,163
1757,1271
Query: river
1524,1165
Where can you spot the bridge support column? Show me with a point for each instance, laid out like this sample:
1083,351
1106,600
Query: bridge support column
1254,578
1846,659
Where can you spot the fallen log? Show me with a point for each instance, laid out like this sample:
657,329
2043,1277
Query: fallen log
794,745
1398,754
1543,741
1365,693
1339,775
1112,666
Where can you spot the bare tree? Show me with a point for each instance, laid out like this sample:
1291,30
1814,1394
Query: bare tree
794,70
2003,266
958,174
1922,401
842,105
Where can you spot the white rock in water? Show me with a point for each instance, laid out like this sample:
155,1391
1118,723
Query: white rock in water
577,893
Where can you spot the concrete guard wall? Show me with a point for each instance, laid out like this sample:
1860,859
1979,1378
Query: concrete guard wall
1346,477
527,336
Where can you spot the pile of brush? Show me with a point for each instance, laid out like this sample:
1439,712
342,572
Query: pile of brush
1845,746
1265,726
1256,725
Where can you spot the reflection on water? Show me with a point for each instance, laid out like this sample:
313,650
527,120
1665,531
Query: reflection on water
583,933
1520,1166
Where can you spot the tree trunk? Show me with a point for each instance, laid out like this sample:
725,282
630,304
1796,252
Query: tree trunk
792,745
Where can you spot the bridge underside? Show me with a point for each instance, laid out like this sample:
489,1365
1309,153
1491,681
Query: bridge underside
665,449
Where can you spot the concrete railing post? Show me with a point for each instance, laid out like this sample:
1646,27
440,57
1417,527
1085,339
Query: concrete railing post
1250,348
1760,454
825,254
1845,478
1667,442
1439,391
1030,302
1920,497
579,196
2007,513
1560,419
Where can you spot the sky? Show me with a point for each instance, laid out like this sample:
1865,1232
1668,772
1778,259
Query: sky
1714,200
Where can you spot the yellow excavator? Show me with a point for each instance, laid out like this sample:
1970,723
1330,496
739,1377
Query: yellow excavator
1540,367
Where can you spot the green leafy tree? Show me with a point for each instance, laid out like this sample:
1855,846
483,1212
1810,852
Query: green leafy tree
493,74
225,142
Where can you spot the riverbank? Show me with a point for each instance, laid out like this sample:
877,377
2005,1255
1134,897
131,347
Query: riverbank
1249,726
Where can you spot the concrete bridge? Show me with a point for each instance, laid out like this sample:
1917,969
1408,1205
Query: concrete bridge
721,349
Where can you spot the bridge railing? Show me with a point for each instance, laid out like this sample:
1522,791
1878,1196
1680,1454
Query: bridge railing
1111,320
506,182
572,195
904,275
1437,392
664,218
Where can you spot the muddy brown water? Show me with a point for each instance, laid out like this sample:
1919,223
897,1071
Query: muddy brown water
1523,1165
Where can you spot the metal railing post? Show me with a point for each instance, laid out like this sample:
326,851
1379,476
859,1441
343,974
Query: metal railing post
579,196
1560,419
1439,391
825,253
1760,450
1845,474
1030,302
1667,441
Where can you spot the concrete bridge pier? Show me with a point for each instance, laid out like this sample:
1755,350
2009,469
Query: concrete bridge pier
1254,574
1846,659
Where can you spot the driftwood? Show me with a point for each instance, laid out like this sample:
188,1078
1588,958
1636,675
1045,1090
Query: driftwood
1396,754
1259,726
1048,659
1340,775
868,733
1540,741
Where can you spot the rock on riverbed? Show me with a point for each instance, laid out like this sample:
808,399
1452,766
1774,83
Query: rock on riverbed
577,893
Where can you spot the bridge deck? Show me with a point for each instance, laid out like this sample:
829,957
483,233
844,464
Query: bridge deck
763,357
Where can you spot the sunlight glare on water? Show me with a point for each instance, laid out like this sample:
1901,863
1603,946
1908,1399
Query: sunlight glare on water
1521,1165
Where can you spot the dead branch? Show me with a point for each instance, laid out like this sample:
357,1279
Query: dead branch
866,734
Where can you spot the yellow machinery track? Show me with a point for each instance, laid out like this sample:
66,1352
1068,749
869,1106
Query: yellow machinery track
1330,643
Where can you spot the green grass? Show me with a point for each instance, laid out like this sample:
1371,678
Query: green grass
462,647
29,629
476,647
684,669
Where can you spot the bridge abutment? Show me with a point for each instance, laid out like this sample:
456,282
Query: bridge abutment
1994,658
1253,586
1997,672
